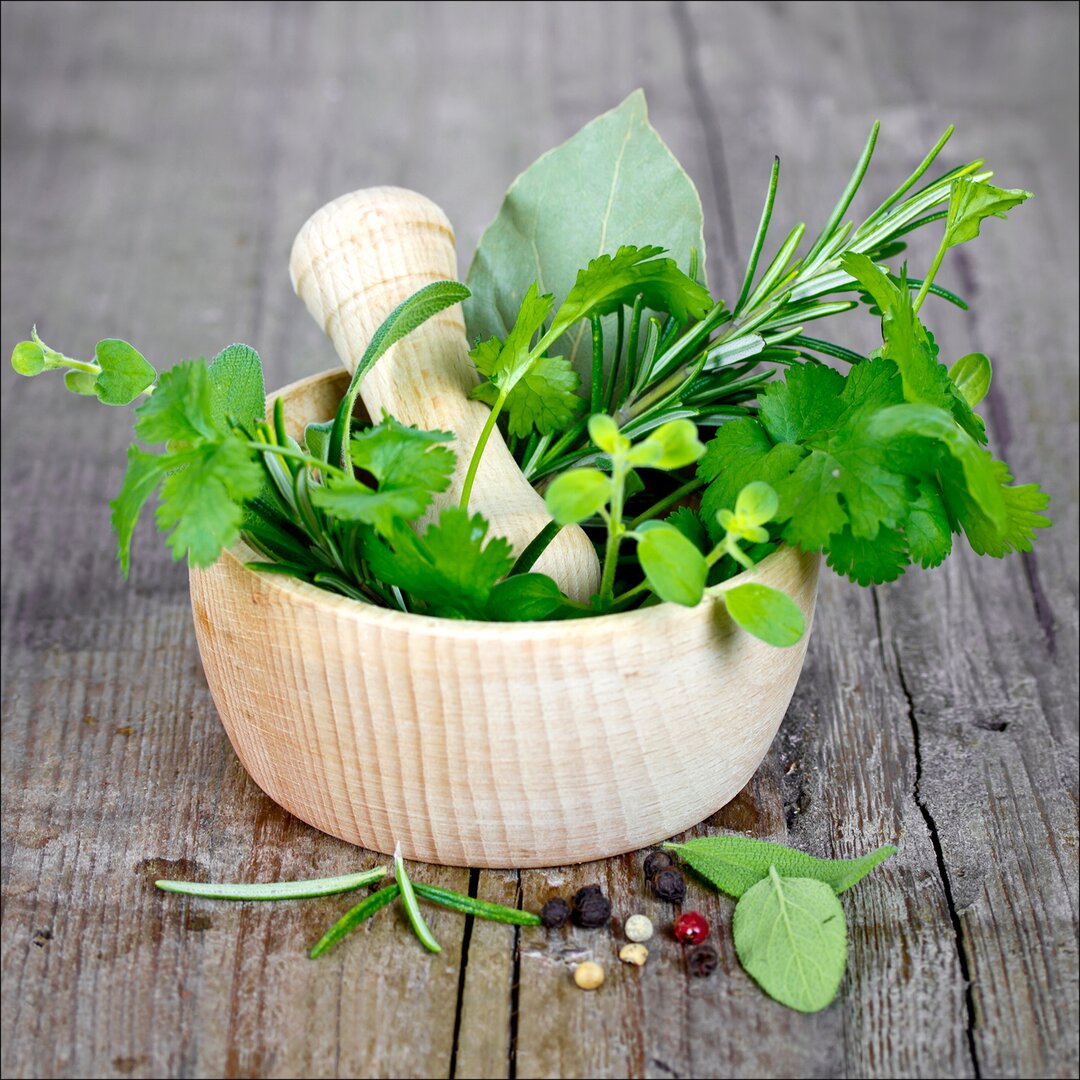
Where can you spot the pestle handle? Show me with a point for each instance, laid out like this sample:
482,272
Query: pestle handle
352,263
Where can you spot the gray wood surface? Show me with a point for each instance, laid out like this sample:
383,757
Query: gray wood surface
157,161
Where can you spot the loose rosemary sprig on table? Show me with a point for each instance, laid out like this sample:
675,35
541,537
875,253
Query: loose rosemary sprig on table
402,886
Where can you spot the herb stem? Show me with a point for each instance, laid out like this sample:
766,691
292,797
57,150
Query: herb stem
616,528
930,274
296,455
668,500
596,386
478,450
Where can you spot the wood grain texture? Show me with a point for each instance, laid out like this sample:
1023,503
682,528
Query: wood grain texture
939,712
352,263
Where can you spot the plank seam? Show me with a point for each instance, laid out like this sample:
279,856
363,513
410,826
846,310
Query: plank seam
466,940
935,841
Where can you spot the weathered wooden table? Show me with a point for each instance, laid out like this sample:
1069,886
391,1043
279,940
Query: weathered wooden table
157,161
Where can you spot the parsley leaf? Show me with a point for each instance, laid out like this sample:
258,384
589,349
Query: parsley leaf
408,466
205,474
971,201
609,282
538,390
739,453
449,570
202,500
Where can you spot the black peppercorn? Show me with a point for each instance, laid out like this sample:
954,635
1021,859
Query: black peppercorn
585,890
656,861
670,885
555,913
702,960
594,910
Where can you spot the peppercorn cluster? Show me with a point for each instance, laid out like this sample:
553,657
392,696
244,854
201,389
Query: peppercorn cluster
590,909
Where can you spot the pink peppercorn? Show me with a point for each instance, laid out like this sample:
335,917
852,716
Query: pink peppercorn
690,928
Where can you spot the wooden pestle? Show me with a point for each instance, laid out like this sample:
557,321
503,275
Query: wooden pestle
352,263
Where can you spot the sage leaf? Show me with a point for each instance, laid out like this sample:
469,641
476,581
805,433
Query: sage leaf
236,375
765,612
791,937
736,863
579,201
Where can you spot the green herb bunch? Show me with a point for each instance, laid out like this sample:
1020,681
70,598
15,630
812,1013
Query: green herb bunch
705,435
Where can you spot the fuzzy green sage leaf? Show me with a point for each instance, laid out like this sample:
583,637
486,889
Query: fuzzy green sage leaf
791,937
736,863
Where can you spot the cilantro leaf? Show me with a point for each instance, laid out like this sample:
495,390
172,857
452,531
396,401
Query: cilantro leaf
399,456
807,402
868,562
181,408
972,200
928,533
609,282
542,399
144,473
202,501
408,466
908,344
205,473
739,453
538,390
450,569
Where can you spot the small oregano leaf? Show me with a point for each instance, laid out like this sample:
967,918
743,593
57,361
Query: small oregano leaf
791,937
577,495
80,382
765,612
971,376
125,372
28,358
675,568
736,863
671,446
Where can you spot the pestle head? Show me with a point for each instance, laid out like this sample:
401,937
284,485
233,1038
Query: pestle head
352,263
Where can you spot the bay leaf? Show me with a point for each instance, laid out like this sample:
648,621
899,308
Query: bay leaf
613,183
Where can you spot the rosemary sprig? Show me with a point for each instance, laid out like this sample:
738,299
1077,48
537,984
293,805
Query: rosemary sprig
354,917
412,908
275,890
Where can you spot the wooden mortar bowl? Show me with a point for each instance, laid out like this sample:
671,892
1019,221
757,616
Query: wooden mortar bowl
489,744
